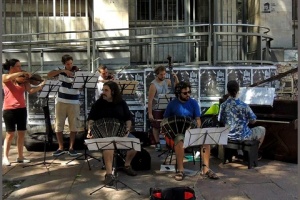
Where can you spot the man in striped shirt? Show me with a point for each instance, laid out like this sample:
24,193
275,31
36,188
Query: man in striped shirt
66,105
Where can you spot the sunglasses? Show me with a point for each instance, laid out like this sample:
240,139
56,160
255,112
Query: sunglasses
185,93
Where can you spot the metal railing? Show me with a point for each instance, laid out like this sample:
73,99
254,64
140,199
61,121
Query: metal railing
217,44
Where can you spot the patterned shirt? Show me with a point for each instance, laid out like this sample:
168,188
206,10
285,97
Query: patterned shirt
236,114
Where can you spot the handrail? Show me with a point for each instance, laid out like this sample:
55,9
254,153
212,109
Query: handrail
201,40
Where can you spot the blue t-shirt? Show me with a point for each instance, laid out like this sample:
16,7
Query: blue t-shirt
189,108
236,114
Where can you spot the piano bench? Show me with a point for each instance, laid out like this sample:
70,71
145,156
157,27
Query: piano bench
249,148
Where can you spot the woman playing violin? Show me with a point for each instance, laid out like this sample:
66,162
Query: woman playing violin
14,85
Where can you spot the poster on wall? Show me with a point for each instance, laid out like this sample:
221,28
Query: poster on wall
212,82
138,114
190,75
260,74
241,75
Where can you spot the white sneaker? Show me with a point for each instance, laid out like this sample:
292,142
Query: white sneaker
5,162
24,160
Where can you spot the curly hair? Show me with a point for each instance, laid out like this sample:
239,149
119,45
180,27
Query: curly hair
66,58
115,91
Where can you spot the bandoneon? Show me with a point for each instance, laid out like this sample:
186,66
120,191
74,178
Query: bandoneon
108,127
172,126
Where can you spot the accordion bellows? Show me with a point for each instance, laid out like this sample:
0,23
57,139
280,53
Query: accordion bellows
175,125
108,127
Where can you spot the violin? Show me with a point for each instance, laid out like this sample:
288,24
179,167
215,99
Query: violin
75,69
35,79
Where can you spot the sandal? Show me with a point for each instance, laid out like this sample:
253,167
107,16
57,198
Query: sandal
179,176
212,175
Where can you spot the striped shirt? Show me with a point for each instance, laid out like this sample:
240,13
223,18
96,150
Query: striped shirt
66,93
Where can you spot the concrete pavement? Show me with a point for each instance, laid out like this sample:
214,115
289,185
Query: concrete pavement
270,180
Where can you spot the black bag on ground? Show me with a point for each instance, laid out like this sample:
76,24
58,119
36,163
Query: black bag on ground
174,193
140,162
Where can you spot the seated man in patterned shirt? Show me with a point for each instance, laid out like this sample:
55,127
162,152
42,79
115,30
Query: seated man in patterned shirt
237,115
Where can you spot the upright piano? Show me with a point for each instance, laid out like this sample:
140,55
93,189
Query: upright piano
280,121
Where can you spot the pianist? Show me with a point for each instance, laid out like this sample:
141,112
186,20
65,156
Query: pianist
237,115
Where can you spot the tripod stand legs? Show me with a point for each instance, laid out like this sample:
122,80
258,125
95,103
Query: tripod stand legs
115,175
115,184
86,157
47,164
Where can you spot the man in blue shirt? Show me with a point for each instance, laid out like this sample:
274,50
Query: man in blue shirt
184,106
237,115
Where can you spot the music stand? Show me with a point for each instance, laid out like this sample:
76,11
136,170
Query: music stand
163,100
127,87
83,80
49,90
114,143
201,136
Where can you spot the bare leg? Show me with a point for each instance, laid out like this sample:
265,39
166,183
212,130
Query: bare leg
261,141
20,144
206,155
129,156
156,134
179,151
60,140
108,156
7,143
72,139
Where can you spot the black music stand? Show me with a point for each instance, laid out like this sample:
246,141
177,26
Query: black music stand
201,136
163,100
49,90
127,87
114,143
84,80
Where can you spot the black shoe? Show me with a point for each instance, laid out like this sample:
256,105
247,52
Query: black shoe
109,180
129,171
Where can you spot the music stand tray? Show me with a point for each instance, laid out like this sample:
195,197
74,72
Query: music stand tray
163,100
85,79
200,136
127,87
114,143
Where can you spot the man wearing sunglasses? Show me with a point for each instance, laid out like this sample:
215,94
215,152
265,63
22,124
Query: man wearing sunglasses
184,106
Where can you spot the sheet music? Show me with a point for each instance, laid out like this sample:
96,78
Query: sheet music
200,136
81,77
127,87
163,100
125,143
257,95
52,85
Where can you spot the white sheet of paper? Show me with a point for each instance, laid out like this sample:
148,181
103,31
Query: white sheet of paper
124,143
81,77
50,84
200,136
257,95
167,168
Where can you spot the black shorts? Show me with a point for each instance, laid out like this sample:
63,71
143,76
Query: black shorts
15,117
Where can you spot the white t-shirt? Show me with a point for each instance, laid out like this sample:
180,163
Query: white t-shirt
99,88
